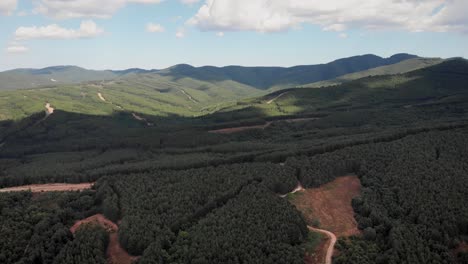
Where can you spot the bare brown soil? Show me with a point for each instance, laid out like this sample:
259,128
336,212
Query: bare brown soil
330,204
320,252
231,130
115,253
50,187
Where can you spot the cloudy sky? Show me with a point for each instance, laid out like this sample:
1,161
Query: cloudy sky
118,34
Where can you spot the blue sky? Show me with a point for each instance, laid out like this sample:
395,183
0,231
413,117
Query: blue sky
224,32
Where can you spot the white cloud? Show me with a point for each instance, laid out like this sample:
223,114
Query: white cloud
332,15
16,48
7,6
88,29
189,2
154,28
220,34
180,33
64,9
22,13
343,35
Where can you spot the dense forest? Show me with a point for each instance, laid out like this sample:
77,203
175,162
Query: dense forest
182,194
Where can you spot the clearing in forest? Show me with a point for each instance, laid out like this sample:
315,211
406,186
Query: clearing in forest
50,187
115,253
330,205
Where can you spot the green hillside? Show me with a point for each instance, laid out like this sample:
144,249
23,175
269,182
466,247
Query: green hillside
51,76
397,68
180,191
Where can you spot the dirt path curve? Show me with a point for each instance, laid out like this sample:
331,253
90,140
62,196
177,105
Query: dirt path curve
115,253
50,187
101,97
331,246
272,100
298,188
330,235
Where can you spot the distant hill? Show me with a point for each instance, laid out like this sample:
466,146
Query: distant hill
33,78
397,68
278,77
230,77
443,84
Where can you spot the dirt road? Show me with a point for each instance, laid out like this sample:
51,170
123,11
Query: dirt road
272,100
331,246
50,187
115,253
231,130
101,97
298,188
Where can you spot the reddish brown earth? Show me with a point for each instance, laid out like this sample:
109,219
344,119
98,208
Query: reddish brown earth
331,205
230,130
320,253
115,253
50,187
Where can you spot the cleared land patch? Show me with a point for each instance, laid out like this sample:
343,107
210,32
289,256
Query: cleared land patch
50,187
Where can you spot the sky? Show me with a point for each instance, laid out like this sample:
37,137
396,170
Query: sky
155,34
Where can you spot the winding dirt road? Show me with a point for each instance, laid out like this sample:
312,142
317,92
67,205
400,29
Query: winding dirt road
115,253
330,235
331,246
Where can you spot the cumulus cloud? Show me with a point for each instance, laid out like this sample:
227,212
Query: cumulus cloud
332,15
154,28
16,48
180,33
7,6
88,29
64,9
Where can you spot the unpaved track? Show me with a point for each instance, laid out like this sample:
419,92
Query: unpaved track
101,97
272,100
298,188
115,253
50,187
231,130
331,246
49,110
330,235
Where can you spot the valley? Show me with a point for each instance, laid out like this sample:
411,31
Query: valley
238,164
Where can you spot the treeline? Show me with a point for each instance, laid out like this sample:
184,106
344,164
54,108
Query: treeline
157,208
88,247
36,229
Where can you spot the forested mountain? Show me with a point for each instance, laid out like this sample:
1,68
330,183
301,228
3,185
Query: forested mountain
182,192
252,77
50,76
277,77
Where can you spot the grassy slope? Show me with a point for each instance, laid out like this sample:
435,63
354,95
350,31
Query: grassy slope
164,95
31,78
397,68
438,83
